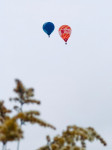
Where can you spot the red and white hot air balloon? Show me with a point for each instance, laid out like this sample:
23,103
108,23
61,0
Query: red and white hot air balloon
65,32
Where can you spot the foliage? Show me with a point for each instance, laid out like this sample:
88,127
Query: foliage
3,112
69,139
25,97
10,131
31,117
11,128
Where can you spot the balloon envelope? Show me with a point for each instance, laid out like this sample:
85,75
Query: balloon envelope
48,28
65,32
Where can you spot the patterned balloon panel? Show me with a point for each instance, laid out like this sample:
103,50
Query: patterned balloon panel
65,32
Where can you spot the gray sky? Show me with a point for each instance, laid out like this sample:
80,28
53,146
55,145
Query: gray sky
74,81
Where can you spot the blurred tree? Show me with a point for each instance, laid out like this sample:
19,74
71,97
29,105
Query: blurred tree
11,129
69,139
25,96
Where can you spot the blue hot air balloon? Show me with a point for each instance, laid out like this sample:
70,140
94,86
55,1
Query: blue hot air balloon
48,28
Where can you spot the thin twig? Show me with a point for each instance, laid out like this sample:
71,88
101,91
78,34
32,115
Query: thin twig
18,144
3,146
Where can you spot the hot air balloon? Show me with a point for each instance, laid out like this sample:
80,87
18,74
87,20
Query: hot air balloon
65,32
48,28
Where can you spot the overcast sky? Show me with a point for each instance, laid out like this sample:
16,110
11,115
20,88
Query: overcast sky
74,81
